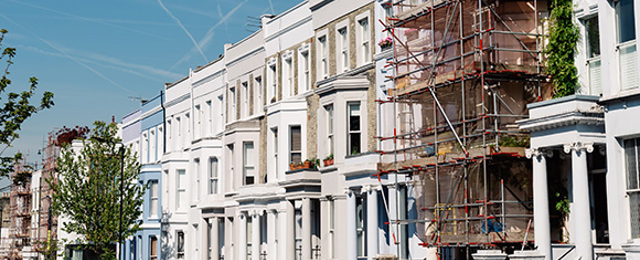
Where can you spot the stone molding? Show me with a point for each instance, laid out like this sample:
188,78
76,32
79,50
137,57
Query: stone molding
578,147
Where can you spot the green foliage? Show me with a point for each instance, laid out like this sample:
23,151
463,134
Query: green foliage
102,200
514,141
562,49
16,109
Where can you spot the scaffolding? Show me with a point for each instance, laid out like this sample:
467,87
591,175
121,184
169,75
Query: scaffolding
464,71
20,205
45,232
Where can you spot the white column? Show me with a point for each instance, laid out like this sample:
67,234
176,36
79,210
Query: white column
291,235
372,223
228,238
241,237
282,233
580,192
306,228
272,251
352,252
214,238
255,236
541,223
393,248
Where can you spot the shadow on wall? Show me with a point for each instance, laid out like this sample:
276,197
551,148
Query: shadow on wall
168,250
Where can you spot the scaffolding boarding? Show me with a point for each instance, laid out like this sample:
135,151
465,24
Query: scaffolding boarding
464,71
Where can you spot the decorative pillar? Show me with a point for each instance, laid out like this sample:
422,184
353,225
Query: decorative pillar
352,252
372,222
581,215
215,250
291,234
255,236
272,247
282,233
241,238
306,228
541,222
393,228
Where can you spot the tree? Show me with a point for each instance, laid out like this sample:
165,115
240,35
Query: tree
562,48
16,109
96,190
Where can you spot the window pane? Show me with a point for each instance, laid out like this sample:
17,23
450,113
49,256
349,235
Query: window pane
626,23
632,171
593,37
354,117
296,142
595,79
153,251
355,143
628,66
634,202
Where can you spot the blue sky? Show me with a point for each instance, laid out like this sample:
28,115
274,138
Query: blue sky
96,55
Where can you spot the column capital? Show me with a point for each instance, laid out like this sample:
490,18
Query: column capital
537,152
578,146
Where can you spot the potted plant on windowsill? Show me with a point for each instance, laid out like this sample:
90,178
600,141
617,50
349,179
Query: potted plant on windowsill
296,165
328,161
386,43
311,163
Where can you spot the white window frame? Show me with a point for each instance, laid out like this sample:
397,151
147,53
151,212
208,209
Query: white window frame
291,151
213,175
342,46
349,131
232,100
246,167
145,147
219,124
180,244
154,199
257,85
632,186
323,54
627,80
197,121
160,146
364,38
287,74
170,144
181,189
330,114
274,131
244,110
153,255
272,77
195,195
304,69
153,140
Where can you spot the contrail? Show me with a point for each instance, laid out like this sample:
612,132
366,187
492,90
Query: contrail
271,6
184,29
88,19
70,57
209,35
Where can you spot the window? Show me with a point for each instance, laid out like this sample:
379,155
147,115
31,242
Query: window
169,135
219,125
208,114
160,138
153,200
213,175
304,78
153,248
245,99
365,40
232,101
182,189
197,124
323,51
178,134
354,135
295,144
632,155
360,228
249,163
275,149
145,148
232,161
626,44
152,146
287,76
187,128
258,90
196,171
329,110
273,83
180,242
343,48
592,36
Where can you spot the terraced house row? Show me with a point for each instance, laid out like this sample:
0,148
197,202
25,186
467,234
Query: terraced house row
404,129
